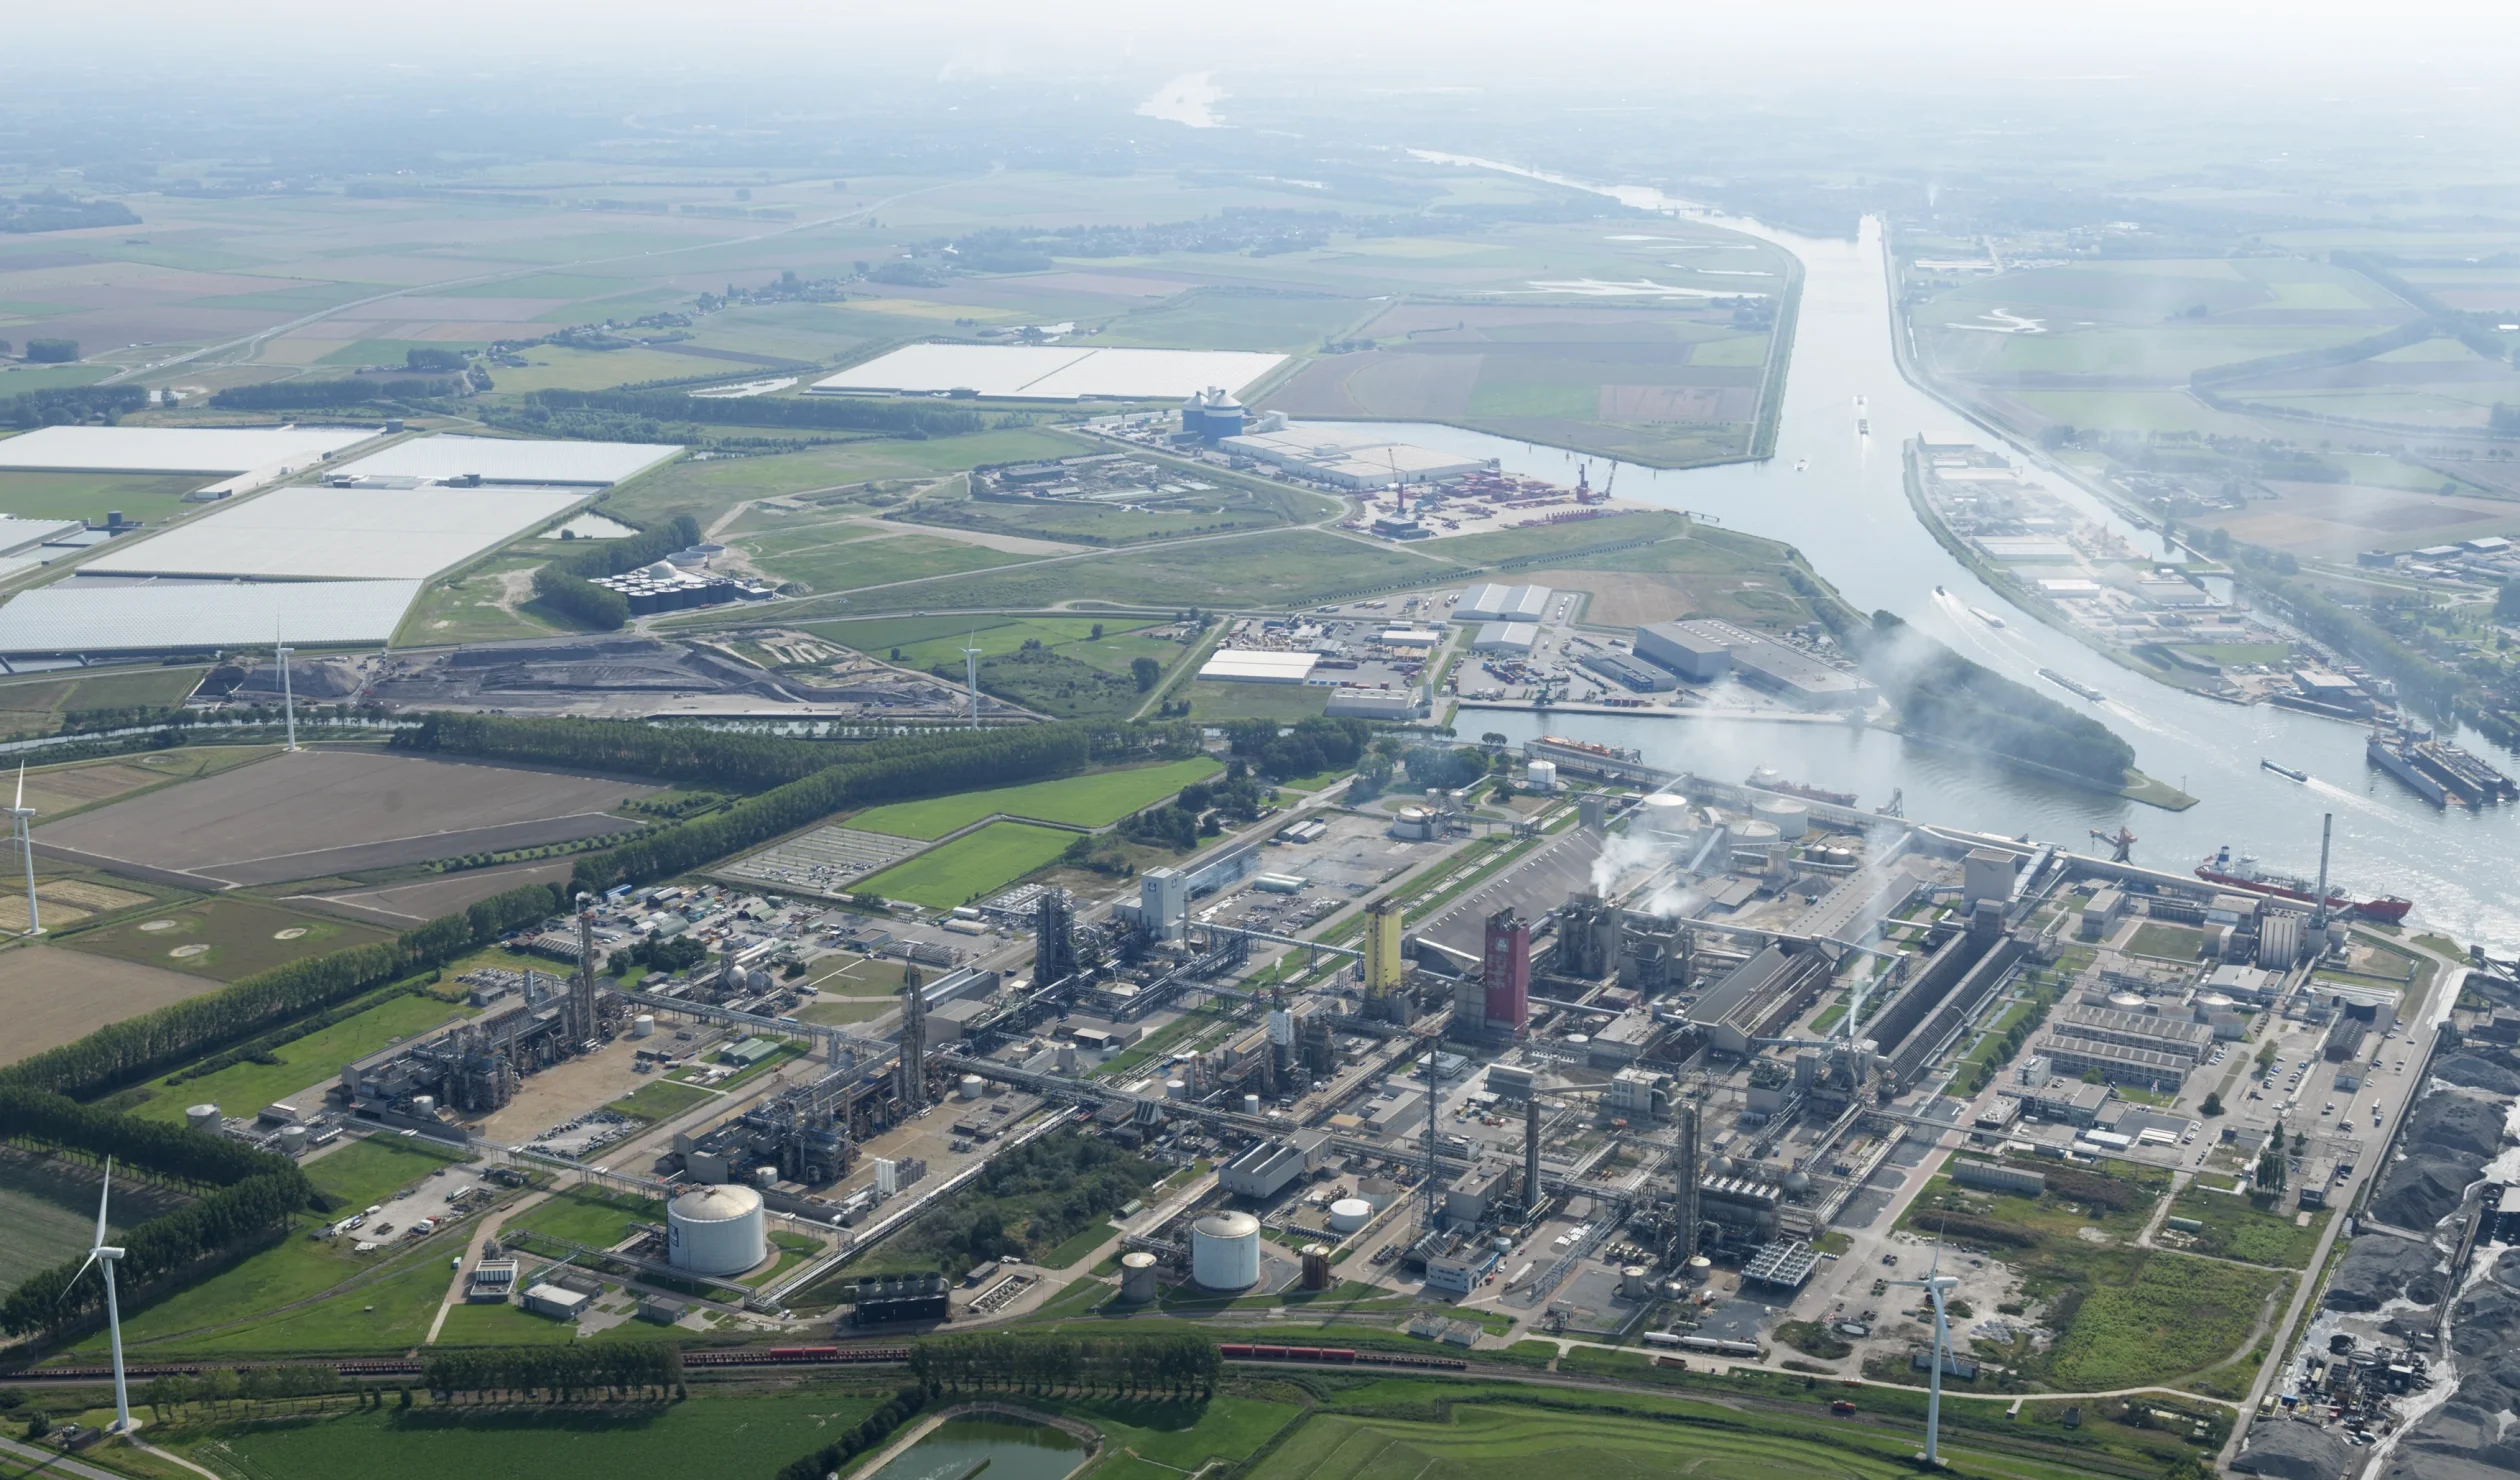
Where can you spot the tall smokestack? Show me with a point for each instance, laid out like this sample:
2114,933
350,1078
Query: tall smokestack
2319,911
1688,1149
1531,1152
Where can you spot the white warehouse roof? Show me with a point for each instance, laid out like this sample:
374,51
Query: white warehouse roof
1506,637
1252,665
174,449
513,460
76,616
1487,602
1051,372
338,533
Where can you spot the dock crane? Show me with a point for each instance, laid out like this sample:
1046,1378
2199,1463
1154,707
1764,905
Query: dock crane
2122,843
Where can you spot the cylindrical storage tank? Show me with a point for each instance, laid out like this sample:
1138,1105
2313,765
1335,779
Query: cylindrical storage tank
1755,835
1701,1269
1137,1277
1635,1282
1225,1251
424,1105
716,1230
1790,818
1176,1089
292,1139
2127,1001
1251,1104
1349,1214
643,1025
969,1086
1665,814
1316,1266
203,1118
1541,775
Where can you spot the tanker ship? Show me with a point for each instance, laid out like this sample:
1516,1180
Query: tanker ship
2244,873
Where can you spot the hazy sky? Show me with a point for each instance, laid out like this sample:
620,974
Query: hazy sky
1488,43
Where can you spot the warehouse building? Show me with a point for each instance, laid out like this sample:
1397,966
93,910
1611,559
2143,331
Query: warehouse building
1789,673
1693,656
1488,602
1256,665
1619,668
515,461
2074,1056
2180,1036
1265,1170
1516,639
1399,705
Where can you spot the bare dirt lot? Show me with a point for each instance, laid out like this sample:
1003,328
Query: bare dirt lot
50,997
426,899
325,812
2337,519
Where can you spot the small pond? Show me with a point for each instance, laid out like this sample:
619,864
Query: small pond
1000,1448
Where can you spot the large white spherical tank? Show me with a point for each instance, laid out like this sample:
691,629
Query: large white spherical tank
643,1026
716,1230
1349,1214
1225,1251
203,1117
1791,818
1137,1277
1665,814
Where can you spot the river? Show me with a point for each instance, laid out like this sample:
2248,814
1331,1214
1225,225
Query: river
1848,512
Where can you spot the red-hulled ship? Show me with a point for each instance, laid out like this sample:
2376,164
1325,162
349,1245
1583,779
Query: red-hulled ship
2244,873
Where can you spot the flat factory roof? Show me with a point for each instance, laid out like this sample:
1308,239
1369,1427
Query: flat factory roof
338,534
1051,372
172,616
513,460
173,449
1251,665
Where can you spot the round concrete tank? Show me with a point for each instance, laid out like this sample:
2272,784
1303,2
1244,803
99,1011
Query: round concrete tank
1251,1104
643,1025
1790,818
1176,1089
715,1230
203,1118
1316,1266
1225,1251
1349,1214
1137,1277
1636,1282
969,1086
2214,1002
2127,1001
1541,775
1665,814
1755,834
292,1139
1700,1269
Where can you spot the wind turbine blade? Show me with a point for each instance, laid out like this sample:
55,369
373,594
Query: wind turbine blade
104,1190
73,1282
21,795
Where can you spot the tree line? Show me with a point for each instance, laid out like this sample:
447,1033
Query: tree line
870,1433
947,761
290,395
1944,697
562,1374
568,586
736,762
1175,1364
233,1216
814,413
68,404
175,1153
121,1052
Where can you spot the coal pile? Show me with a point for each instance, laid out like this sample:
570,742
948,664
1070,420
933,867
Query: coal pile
2284,1450
2470,1071
2449,1139
2379,1269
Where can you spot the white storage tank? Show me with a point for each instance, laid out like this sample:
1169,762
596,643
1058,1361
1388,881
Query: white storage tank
1636,1282
716,1230
968,1087
1225,1251
292,1140
1251,1104
204,1118
1541,776
424,1105
1176,1089
1666,815
1137,1277
1349,1214
1791,818
1755,835
643,1025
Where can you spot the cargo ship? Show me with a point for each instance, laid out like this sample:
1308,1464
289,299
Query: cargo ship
1767,780
2436,770
2287,772
2062,682
1988,617
2244,873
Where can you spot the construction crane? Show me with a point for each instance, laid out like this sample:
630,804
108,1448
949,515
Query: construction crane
2123,843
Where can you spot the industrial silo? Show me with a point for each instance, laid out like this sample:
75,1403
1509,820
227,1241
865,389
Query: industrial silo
643,1025
716,1230
1225,1251
203,1118
1316,1266
1790,818
1137,1277
1349,1214
1665,815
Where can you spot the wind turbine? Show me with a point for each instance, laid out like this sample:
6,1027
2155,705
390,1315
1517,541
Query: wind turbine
288,698
1935,1285
22,831
107,1255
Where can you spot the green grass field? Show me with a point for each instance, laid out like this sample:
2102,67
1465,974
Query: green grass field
589,1216
659,1099
702,489
1080,801
848,557
2236,1228
37,706
970,866
504,1325
1216,702
2177,1316
300,1295
92,496
224,937
369,1171
752,1434
249,1086
488,602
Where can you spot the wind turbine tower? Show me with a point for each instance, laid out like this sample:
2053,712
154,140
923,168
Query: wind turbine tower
288,697
106,1254
1936,1284
971,679
22,828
